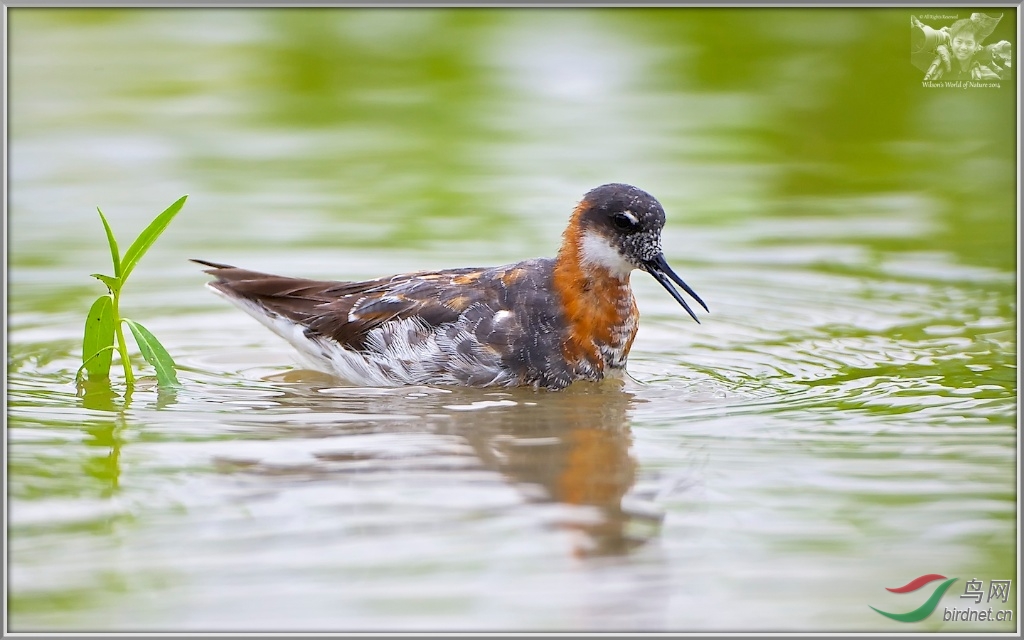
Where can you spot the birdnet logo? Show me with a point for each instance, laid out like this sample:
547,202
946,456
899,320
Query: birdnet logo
925,609
999,590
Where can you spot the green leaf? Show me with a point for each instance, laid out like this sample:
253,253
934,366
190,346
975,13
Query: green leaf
81,369
114,253
112,283
99,335
154,353
148,237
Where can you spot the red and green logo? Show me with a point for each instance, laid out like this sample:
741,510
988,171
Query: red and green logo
925,609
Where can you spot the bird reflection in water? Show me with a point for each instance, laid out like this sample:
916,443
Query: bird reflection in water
569,449
575,448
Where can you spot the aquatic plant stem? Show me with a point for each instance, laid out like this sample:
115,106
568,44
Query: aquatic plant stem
122,346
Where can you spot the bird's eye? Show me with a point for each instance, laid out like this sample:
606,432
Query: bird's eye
624,221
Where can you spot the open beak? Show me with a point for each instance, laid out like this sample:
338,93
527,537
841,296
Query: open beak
664,274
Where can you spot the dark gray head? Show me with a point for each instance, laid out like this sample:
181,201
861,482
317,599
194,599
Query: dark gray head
618,227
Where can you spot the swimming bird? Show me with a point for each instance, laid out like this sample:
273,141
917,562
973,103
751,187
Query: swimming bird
544,322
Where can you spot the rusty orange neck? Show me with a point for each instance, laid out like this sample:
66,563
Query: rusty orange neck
599,306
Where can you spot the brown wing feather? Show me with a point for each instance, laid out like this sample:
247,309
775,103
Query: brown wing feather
347,311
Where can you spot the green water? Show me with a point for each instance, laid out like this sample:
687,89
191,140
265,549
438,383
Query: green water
844,420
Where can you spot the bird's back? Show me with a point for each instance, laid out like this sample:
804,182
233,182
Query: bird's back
472,326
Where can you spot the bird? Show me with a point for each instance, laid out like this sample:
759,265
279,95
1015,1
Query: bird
543,323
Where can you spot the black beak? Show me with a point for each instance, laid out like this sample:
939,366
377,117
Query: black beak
664,274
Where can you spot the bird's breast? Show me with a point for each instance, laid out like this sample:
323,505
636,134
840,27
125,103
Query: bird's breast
601,319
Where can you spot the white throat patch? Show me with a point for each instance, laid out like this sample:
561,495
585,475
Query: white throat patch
595,250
